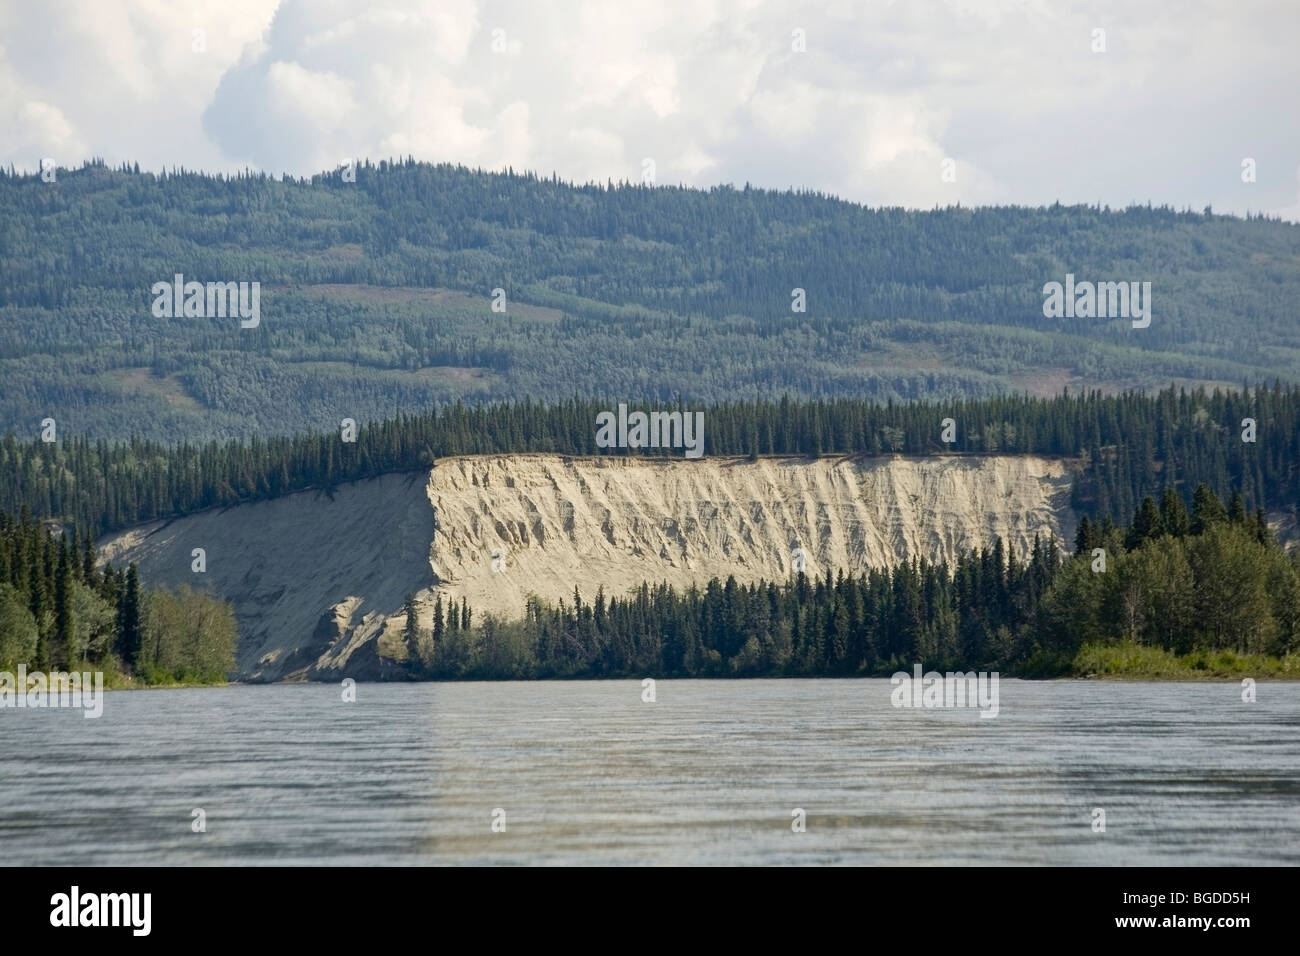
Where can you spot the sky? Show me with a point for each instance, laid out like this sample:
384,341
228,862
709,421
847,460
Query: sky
912,103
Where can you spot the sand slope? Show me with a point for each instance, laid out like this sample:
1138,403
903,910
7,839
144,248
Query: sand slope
313,579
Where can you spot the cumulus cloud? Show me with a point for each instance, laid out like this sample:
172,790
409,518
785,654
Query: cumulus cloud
120,79
866,101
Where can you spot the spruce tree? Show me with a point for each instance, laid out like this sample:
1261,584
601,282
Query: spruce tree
129,624
1237,509
1206,510
1146,524
411,632
1082,537
1173,513
65,629
88,560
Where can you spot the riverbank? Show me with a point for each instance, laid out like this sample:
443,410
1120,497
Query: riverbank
1130,661
116,680
1098,662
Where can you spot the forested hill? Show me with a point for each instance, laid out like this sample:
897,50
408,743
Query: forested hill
376,298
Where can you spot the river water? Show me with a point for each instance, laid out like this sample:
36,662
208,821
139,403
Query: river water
711,772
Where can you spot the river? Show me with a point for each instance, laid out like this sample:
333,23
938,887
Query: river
711,772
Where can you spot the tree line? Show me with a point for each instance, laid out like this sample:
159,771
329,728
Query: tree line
1124,448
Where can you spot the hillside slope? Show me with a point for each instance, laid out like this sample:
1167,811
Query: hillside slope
323,597
378,294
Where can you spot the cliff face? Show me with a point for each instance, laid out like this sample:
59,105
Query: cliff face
319,583
615,522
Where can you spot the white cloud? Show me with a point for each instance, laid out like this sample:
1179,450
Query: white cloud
710,89
42,130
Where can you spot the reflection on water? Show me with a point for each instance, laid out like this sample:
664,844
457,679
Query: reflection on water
708,773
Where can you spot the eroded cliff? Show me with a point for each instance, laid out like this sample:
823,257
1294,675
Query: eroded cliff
319,582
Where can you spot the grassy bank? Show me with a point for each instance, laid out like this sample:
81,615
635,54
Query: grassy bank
1137,662
117,678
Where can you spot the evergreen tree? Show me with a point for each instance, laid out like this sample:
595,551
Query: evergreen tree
411,631
1146,525
1263,534
1237,509
1206,510
439,628
88,560
1083,536
1173,513
130,632
65,631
